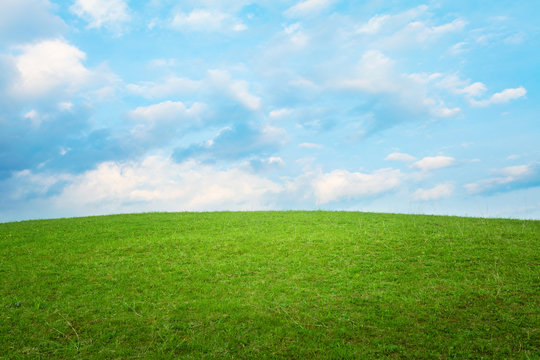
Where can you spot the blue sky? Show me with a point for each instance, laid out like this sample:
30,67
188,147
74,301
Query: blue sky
115,106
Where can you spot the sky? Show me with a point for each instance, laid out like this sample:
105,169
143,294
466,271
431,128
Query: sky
120,106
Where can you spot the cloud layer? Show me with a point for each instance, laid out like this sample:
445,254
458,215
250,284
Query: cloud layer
119,106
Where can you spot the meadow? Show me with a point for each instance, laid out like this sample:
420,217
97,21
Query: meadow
270,285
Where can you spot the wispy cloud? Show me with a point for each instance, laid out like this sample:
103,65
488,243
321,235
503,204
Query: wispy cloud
341,184
307,7
400,157
206,21
508,179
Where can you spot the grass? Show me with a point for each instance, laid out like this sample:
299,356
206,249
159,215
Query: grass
267,285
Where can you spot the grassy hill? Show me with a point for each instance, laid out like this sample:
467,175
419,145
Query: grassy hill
266,285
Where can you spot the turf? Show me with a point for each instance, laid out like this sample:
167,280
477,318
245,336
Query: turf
270,285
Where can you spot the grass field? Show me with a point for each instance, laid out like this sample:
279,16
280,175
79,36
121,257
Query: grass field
265,285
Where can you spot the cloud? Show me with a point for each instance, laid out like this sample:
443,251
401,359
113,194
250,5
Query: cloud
501,98
403,29
279,113
159,184
159,123
172,85
25,20
206,21
375,74
233,143
374,25
166,111
342,184
400,157
437,192
508,179
474,90
111,14
434,162
237,89
307,7
216,81
50,66
390,23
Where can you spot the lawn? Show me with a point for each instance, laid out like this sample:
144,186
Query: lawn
270,285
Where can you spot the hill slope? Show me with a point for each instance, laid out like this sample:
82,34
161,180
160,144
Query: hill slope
270,285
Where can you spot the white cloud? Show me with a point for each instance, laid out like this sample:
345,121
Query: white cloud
380,23
172,85
102,13
216,80
458,48
516,171
34,118
206,20
458,86
158,184
341,184
375,74
444,112
166,110
160,122
373,25
403,29
307,7
278,113
400,157
50,66
437,192
434,162
418,32
237,89
509,178
474,90
501,97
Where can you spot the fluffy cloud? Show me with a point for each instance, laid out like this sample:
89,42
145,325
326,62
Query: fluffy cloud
501,97
50,66
400,157
206,20
434,162
158,184
508,179
102,13
437,192
341,184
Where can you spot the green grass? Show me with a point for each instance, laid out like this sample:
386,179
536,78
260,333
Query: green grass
267,285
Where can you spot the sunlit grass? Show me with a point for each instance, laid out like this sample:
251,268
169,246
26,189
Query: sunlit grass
264,285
